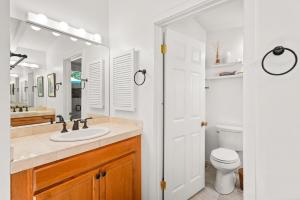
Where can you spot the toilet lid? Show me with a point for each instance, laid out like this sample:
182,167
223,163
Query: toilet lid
224,155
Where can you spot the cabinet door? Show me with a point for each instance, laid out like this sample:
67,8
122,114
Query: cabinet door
84,187
119,180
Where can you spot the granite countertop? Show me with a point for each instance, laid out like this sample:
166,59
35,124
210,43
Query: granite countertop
33,150
31,113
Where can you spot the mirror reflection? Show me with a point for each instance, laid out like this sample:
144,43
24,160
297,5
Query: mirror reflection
53,74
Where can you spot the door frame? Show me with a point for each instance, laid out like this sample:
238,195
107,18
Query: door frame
249,92
67,84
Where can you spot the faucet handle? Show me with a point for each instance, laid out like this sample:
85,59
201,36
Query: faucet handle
84,121
60,118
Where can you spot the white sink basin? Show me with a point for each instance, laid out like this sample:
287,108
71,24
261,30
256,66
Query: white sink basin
82,134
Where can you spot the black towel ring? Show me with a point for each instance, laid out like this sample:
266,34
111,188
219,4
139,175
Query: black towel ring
143,71
277,51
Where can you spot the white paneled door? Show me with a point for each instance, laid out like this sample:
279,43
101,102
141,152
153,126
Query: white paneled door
184,112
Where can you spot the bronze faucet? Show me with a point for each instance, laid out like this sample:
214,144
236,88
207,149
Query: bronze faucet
76,125
84,121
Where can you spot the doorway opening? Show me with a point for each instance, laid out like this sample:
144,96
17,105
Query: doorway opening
202,82
76,99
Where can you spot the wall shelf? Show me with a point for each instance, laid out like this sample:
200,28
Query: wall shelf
226,64
224,77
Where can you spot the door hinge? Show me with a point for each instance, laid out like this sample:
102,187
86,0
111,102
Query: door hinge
163,49
163,185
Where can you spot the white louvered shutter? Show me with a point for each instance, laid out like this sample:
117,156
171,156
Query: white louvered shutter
122,79
96,84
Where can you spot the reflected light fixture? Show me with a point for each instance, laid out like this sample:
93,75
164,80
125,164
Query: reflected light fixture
56,34
81,32
35,28
97,37
42,19
73,39
63,26
14,75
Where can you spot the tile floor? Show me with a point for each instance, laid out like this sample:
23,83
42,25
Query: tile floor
209,193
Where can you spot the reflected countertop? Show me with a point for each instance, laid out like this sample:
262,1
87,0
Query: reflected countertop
31,113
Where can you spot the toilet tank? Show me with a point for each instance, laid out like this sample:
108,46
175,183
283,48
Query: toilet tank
230,137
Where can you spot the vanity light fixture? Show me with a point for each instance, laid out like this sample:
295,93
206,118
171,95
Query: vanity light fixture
36,28
63,26
81,32
25,64
32,65
14,75
73,39
42,21
29,65
97,38
56,34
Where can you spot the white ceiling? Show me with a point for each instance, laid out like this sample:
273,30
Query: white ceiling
224,16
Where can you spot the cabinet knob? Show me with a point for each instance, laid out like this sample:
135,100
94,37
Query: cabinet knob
98,176
103,174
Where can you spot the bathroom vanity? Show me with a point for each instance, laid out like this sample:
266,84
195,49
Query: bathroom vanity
31,117
106,168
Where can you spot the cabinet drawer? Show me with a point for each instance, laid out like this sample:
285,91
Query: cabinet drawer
63,170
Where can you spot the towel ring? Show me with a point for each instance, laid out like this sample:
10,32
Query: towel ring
277,51
143,71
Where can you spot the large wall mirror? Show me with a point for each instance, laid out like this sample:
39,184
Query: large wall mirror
56,74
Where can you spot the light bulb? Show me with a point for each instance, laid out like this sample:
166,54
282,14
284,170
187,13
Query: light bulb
36,28
56,34
81,32
14,75
33,66
97,37
63,26
73,39
42,19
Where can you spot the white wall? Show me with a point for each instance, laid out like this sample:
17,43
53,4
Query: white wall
131,25
4,102
224,98
230,40
190,27
275,111
224,105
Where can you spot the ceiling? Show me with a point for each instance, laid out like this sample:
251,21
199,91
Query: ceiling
224,16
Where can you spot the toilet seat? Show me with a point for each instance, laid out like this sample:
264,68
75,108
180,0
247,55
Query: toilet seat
226,156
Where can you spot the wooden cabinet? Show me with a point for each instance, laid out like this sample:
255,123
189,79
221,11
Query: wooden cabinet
108,173
22,121
118,181
85,187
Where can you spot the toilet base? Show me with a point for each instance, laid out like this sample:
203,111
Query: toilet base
225,182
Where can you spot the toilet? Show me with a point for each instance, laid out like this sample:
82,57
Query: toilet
226,158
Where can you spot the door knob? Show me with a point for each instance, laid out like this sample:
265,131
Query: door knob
204,123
